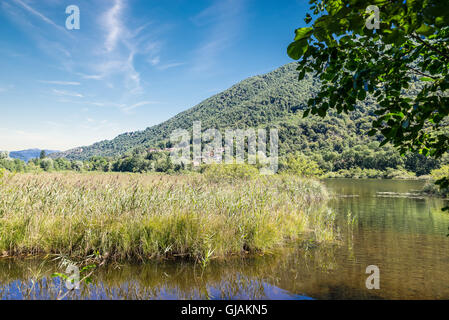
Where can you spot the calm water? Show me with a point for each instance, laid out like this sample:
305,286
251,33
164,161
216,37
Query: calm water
404,235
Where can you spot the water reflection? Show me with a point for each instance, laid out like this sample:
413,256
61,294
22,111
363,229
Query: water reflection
404,236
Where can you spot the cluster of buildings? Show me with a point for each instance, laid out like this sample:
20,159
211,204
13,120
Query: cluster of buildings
161,150
212,156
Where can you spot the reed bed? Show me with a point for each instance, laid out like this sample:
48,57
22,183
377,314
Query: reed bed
138,216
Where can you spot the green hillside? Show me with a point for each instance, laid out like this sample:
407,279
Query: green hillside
275,99
253,102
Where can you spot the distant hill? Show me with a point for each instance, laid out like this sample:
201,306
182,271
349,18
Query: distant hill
274,100
27,155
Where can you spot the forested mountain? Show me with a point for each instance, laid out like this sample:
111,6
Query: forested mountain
253,102
275,99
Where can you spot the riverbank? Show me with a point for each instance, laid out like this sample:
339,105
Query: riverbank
358,173
142,217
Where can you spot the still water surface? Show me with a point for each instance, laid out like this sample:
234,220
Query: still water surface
404,235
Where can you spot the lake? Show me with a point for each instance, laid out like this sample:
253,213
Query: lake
380,222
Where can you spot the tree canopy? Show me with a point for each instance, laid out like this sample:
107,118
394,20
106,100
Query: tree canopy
355,63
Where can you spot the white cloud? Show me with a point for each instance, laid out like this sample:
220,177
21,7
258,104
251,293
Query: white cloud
7,88
136,105
113,25
155,61
120,48
98,104
62,83
222,22
67,93
125,108
38,14
91,76
170,65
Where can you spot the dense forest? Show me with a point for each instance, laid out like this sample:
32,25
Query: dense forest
338,144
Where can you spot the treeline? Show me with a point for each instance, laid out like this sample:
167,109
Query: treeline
137,162
360,161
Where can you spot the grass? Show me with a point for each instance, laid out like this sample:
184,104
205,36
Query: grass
135,216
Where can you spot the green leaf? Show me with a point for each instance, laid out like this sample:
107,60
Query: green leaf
425,30
91,266
396,37
303,33
384,142
334,6
322,112
59,275
362,95
308,18
297,49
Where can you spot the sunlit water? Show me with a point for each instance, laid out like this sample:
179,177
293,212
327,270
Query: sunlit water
404,235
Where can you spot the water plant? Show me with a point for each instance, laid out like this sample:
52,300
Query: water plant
135,216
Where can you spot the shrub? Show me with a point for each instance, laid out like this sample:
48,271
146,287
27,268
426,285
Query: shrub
437,174
443,172
300,165
229,172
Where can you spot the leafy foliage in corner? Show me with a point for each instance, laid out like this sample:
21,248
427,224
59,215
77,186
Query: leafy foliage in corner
356,64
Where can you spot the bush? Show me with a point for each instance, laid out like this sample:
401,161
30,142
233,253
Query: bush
399,173
47,164
431,188
443,172
229,172
299,165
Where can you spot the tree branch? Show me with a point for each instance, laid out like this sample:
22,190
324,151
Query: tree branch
422,73
433,48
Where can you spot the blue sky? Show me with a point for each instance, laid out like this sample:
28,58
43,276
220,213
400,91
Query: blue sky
132,64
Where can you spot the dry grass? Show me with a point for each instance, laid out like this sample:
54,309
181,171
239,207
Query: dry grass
132,216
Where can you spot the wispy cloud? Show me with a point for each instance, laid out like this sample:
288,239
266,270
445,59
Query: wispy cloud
113,25
62,83
155,60
7,88
123,107
120,48
38,14
136,105
222,23
91,76
67,93
170,65
44,31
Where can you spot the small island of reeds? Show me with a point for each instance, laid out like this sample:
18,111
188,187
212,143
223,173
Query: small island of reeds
149,216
